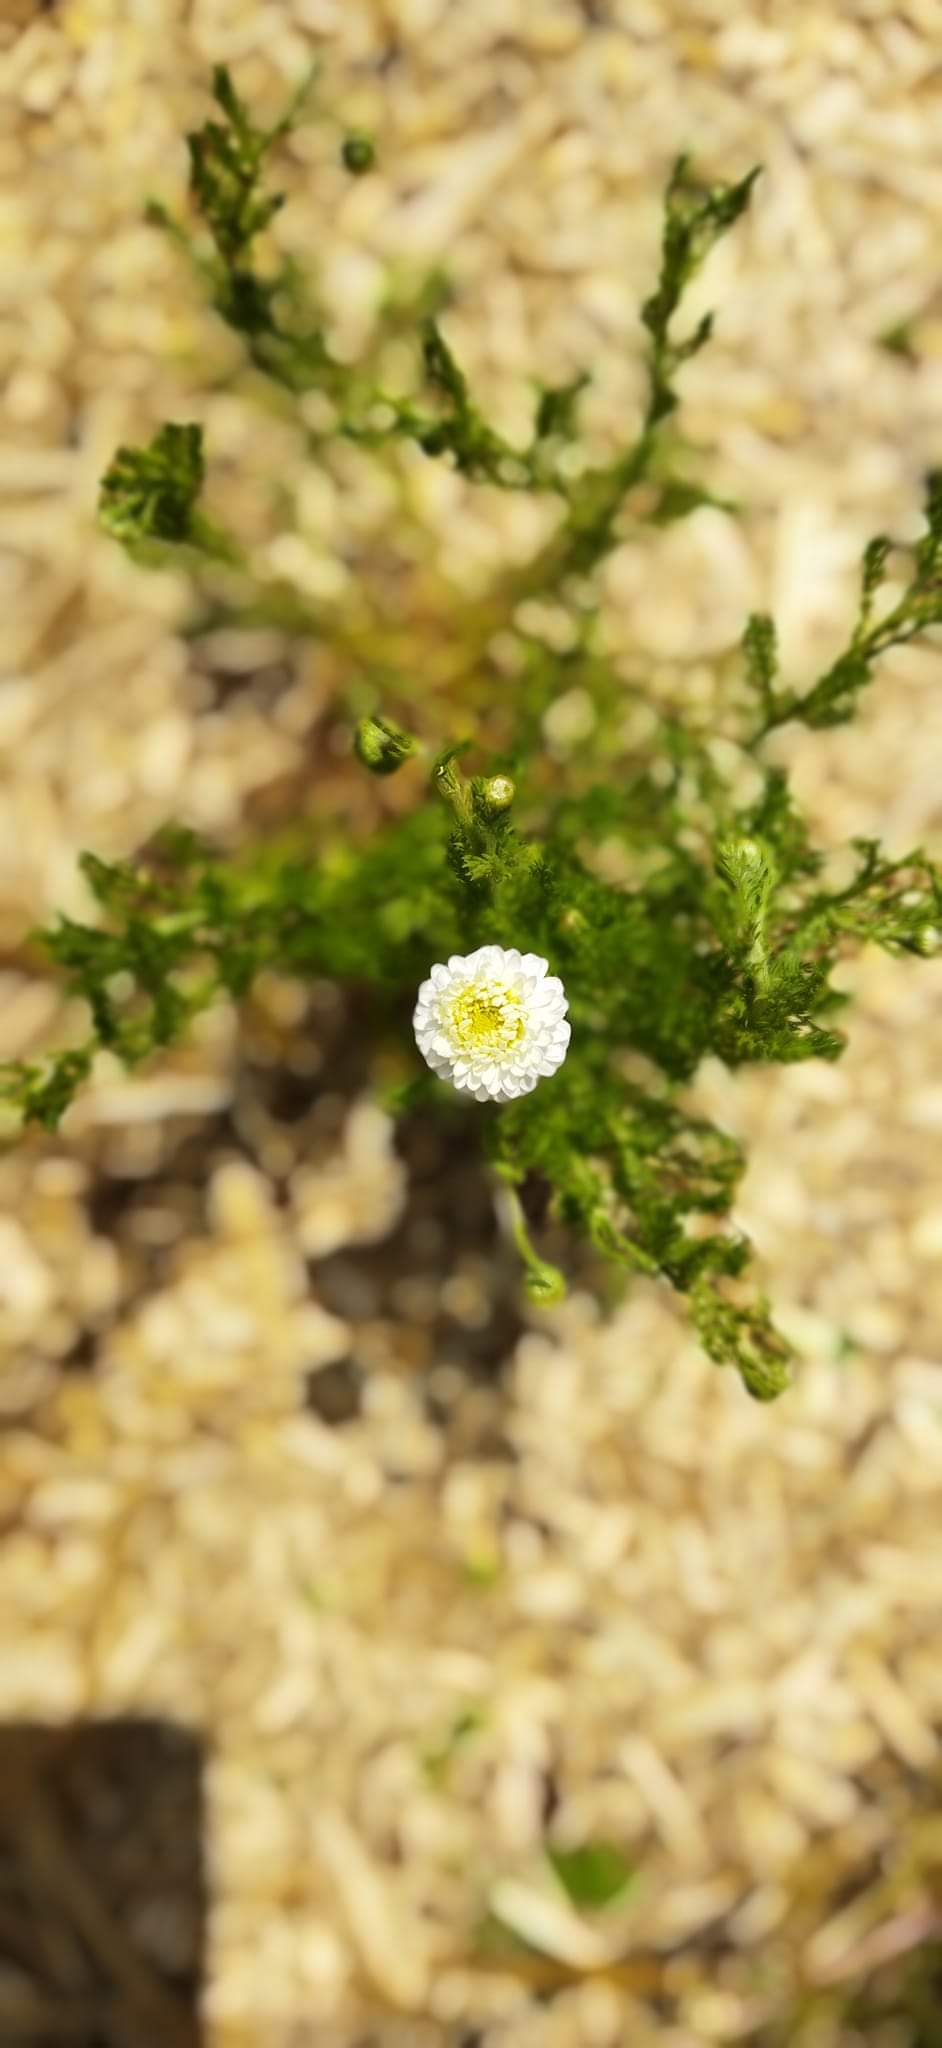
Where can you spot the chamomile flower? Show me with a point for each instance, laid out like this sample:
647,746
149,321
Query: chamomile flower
493,1023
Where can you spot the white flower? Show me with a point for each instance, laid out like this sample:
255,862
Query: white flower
492,1022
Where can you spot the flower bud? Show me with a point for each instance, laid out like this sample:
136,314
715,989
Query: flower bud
493,794
358,153
544,1284
382,747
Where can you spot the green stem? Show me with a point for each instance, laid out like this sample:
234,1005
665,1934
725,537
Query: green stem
544,1283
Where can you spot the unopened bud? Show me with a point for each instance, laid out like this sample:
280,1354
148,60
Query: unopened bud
382,747
572,922
765,1377
358,153
545,1284
494,794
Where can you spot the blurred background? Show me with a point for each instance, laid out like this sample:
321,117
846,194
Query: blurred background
386,1664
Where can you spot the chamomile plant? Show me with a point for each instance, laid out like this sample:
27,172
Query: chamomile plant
553,946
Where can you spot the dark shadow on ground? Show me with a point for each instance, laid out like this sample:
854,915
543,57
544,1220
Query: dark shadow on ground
102,1885
442,1283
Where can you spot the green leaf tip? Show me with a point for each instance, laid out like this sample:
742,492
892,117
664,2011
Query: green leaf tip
696,216
42,1091
593,1875
834,698
149,497
743,1336
150,493
227,162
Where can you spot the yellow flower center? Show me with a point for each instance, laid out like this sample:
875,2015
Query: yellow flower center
486,1019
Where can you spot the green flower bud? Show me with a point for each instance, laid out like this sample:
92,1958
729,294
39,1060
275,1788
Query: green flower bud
545,1284
381,746
358,154
493,794
499,792
765,1377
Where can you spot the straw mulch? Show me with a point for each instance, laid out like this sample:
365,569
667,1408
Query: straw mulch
284,1462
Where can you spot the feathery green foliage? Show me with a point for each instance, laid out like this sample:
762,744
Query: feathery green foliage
833,699
684,921
152,495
